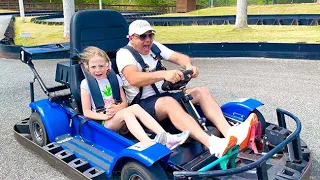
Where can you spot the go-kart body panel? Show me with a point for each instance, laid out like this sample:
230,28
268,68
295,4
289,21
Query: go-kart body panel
53,117
100,146
240,109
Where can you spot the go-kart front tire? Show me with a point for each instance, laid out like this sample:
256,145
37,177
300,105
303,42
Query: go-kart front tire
37,130
133,170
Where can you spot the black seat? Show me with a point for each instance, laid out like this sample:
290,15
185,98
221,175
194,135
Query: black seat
106,29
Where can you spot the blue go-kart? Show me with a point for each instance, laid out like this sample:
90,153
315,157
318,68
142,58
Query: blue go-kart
83,149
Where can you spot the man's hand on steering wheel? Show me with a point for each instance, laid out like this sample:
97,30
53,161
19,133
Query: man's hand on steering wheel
194,69
173,76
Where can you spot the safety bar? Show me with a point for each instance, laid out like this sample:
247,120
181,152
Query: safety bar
294,136
26,53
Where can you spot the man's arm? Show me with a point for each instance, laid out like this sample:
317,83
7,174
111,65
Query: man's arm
185,62
140,79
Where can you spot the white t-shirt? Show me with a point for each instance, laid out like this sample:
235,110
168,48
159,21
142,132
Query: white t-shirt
105,88
125,58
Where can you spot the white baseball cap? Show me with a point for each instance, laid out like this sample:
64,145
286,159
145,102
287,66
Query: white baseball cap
139,27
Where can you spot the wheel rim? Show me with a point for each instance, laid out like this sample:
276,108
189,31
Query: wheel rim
135,177
38,132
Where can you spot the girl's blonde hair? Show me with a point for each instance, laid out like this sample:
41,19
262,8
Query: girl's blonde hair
91,51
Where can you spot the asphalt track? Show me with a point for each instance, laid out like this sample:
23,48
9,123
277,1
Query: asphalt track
289,84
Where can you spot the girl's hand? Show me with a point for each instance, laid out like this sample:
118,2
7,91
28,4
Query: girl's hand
108,115
113,108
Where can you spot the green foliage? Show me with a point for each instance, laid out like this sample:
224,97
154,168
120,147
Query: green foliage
156,2
219,3
202,3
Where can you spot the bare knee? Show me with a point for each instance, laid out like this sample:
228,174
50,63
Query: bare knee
132,107
167,104
201,92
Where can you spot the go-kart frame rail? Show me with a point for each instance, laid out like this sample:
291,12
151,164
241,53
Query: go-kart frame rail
293,138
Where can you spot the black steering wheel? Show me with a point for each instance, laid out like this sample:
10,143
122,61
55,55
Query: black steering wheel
169,86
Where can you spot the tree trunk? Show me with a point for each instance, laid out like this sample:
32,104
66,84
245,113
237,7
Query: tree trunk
241,17
100,4
68,11
21,8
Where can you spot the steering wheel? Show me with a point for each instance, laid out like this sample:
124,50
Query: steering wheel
169,86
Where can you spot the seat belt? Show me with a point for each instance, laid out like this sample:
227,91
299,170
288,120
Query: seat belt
155,49
94,90
114,83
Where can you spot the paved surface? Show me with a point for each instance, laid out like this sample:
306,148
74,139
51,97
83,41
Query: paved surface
289,84
4,22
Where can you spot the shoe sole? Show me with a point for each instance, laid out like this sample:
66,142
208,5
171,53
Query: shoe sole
181,142
245,142
232,142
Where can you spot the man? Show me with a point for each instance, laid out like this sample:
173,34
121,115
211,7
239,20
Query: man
163,104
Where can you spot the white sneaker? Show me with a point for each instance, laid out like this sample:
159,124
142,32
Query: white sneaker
174,140
243,130
161,138
220,146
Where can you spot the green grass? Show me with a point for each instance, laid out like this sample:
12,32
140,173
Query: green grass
255,9
5,11
46,34
40,34
226,33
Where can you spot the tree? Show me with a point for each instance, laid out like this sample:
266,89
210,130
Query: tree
68,11
21,8
241,17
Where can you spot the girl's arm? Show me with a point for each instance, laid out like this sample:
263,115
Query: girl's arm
86,107
124,103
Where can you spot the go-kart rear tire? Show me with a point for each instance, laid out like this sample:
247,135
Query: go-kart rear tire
261,120
134,170
37,130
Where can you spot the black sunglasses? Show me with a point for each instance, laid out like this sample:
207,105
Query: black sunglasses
144,36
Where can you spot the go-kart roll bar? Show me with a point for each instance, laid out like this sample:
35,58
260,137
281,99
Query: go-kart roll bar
293,138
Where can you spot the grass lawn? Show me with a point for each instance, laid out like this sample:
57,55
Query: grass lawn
40,34
46,34
226,33
5,11
255,9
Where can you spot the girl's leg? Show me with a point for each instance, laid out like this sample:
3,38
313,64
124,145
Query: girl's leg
172,141
145,118
132,123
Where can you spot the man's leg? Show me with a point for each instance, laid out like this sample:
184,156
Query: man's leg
213,112
210,108
163,107
169,107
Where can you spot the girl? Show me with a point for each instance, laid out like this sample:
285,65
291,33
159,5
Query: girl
97,62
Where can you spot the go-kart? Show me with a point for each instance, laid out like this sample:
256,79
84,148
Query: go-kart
84,149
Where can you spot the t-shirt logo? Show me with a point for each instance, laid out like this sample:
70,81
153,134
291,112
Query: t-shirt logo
107,94
107,91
